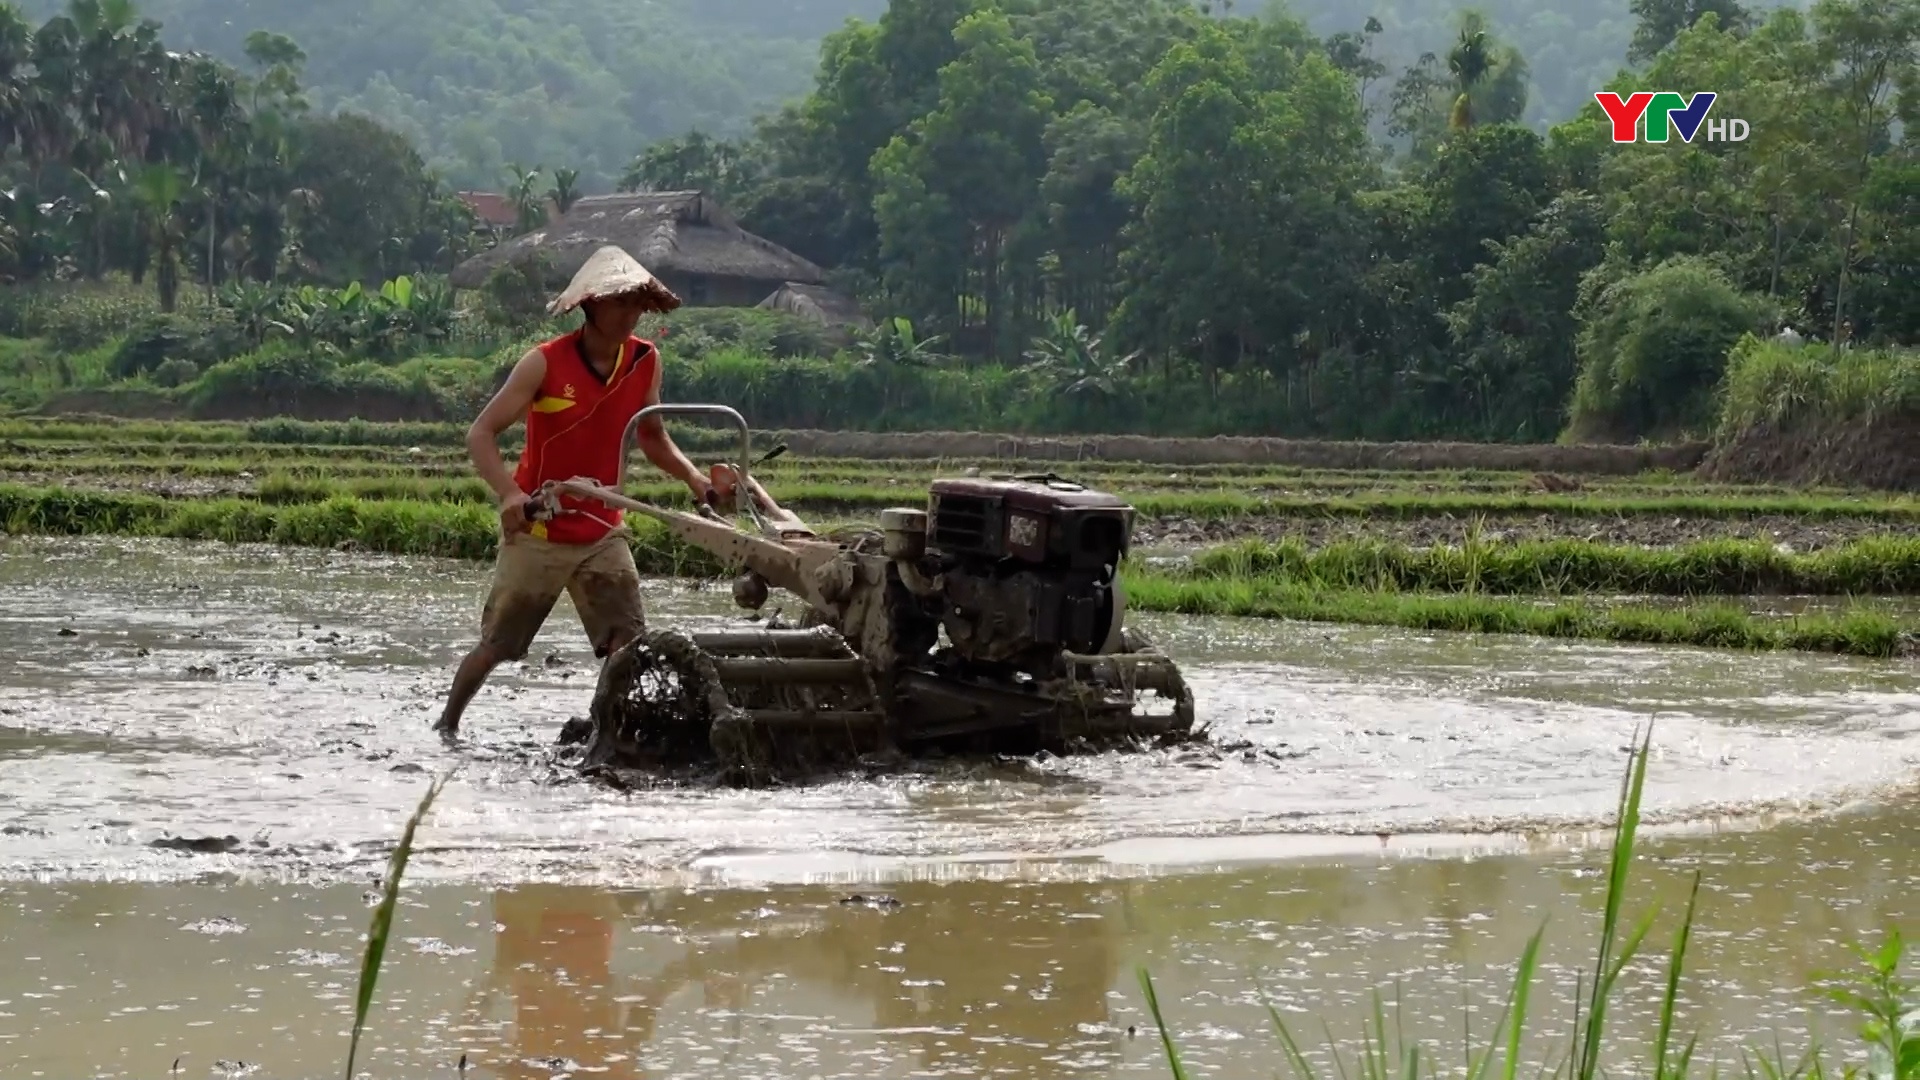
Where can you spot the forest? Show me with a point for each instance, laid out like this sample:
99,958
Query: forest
479,86
1163,218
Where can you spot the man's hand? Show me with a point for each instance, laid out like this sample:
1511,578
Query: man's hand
514,513
704,493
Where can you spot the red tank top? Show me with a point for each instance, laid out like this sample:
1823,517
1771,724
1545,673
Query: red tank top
574,429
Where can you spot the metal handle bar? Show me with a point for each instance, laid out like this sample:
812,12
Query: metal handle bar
725,412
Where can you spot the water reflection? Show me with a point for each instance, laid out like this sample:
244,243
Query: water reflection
966,980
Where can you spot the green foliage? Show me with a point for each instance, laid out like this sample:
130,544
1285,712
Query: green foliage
696,333
476,84
517,292
1203,197
1884,566
72,318
121,154
1770,383
1653,346
1516,329
193,341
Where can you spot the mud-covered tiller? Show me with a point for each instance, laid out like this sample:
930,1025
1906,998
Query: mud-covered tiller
991,621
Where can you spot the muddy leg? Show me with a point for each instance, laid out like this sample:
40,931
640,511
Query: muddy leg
606,593
528,578
467,680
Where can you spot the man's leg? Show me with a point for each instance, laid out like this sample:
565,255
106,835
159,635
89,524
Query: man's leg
528,577
606,593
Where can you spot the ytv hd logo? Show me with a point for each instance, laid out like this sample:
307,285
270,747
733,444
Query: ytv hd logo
1665,110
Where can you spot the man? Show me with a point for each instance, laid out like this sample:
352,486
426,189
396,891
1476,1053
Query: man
577,393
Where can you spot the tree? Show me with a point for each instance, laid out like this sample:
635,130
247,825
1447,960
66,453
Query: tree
1653,345
959,189
1658,22
565,190
1485,82
1245,244
1514,333
159,189
364,206
1874,47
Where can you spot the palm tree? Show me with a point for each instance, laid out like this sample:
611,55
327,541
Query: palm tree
565,191
526,198
1469,60
16,85
123,72
158,189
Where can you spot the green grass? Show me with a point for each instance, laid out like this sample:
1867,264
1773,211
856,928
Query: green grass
1871,566
380,930
396,527
1888,1005
803,490
1863,630
1768,383
469,531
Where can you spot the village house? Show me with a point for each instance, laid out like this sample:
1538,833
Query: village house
819,304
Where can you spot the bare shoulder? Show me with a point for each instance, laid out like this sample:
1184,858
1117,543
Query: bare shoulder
522,385
533,366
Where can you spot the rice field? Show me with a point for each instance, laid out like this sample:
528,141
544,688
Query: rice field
1653,557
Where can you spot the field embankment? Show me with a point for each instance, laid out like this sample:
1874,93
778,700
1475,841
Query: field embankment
1656,556
1180,506
467,530
1595,460
1579,460
1819,416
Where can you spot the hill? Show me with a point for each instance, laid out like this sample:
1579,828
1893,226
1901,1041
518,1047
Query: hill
479,84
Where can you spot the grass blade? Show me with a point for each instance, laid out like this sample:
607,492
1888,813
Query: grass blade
1605,968
382,924
1668,1003
1166,1037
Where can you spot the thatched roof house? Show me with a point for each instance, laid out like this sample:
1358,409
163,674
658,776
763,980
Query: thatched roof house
819,303
683,237
491,208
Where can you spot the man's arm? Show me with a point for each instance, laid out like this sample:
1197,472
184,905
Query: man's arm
660,449
508,405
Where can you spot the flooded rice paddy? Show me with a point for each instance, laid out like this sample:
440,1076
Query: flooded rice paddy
206,753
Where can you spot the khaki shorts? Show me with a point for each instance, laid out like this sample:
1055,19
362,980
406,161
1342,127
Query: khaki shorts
530,573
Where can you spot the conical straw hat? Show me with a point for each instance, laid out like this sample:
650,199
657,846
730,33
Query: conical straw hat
610,271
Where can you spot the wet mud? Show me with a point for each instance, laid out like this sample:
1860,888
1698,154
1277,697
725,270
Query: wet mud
211,692
205,773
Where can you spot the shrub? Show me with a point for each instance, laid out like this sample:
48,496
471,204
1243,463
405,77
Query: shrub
694,333
1653,346
1769,382
74,318
517,292
179,371
197,339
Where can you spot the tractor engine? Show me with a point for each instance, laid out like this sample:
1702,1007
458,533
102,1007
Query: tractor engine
1028,567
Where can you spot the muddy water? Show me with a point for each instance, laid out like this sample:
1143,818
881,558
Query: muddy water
1409,806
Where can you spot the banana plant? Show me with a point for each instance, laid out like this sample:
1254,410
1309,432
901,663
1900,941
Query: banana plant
893,344
1073,361
257,309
